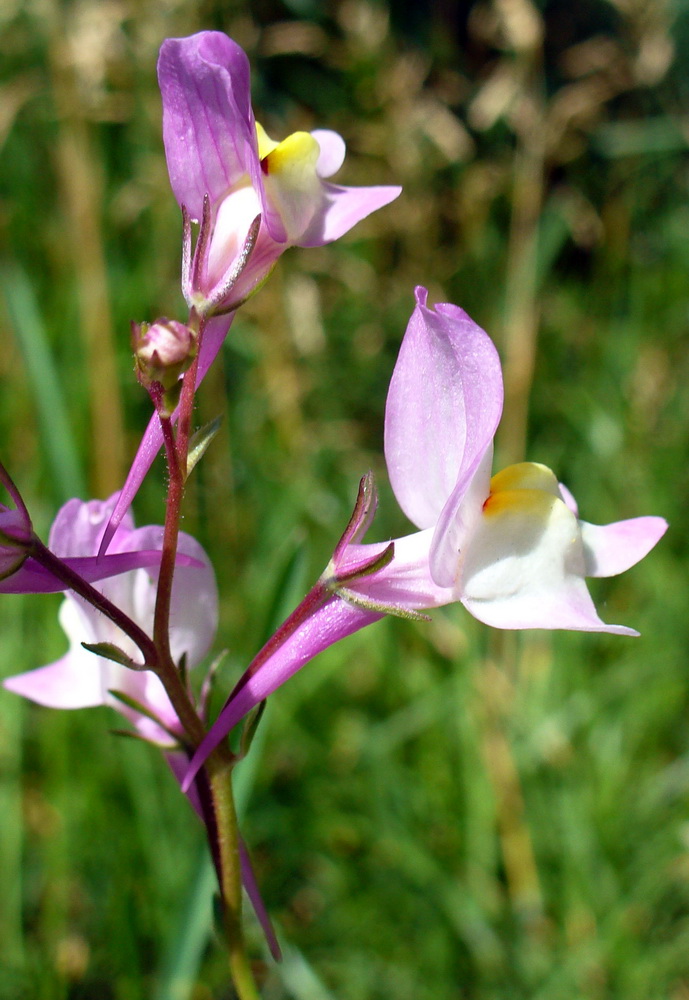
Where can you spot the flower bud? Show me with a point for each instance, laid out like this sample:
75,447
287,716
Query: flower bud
163,350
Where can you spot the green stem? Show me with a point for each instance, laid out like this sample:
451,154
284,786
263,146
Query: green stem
220,778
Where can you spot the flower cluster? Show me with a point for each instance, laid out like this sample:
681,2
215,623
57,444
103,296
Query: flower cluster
141,607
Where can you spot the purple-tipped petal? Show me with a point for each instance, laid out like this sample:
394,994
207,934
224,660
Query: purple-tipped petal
208,125
443,407
214,334
341,209
331,622
610,549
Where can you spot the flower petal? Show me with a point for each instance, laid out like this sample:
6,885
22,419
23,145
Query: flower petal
406,581
341,208
332,151
610,549
63,684
524,566
443,406
78,527
194,604
33,578
292,187
73,681
208,125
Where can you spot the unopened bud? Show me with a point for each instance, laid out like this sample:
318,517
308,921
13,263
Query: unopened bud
163,351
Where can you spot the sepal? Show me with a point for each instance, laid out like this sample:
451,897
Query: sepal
200,441
250,728
109,651
148,712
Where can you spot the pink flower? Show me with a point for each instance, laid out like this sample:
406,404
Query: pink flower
79,679
252,197
510,548
227,174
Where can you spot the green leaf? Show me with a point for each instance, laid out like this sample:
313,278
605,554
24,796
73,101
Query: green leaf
250,727
200,441
137,706
109,651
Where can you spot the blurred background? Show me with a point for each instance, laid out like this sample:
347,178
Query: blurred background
436,812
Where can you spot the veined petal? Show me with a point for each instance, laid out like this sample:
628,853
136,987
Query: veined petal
341,208
334,620
610,549
443,406
458,519
208,123
78,527
524,566
194,604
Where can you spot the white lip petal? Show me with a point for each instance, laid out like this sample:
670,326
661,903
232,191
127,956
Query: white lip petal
524,566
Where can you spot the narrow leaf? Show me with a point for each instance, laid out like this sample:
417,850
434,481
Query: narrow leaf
109,651
250,727
137,706
200,441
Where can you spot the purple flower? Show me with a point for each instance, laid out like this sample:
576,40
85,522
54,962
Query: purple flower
80,679
227,174
252,197
510,548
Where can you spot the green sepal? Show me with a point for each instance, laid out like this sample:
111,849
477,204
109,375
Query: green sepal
182,668
133,735
250,728
109,651
200,441
144,710
379,607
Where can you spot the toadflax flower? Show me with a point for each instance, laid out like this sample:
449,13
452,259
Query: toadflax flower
79,679
510,547
251,196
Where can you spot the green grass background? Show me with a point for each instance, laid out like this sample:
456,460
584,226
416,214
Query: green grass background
437,812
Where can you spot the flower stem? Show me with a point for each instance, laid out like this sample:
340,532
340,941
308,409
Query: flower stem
230,875
222,826
74,582
176,453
